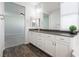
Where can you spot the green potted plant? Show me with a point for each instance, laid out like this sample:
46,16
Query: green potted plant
73,29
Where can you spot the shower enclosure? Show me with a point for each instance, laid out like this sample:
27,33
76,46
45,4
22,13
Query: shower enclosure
14,24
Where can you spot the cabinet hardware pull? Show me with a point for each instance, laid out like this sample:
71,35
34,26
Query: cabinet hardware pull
55,44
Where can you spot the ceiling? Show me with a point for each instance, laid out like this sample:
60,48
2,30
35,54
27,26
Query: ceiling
49,7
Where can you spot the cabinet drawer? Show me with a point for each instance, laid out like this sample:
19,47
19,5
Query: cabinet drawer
48,37
63,39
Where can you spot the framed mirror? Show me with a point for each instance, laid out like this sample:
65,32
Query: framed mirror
35,22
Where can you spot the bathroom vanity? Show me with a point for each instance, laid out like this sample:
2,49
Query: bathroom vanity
54,43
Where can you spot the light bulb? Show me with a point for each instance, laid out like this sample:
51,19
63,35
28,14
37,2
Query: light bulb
39,10
34,21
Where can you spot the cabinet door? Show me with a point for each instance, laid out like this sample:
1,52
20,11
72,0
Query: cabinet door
50,45
62,50
30,36
36,39
33,38
66,40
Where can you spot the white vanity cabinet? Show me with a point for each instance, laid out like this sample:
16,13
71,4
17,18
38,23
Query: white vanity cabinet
54,45
43,41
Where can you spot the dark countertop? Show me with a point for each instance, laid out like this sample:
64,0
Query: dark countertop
54,32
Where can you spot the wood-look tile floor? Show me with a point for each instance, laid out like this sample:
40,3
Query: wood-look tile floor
24,51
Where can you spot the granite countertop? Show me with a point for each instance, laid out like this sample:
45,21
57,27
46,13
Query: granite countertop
54,32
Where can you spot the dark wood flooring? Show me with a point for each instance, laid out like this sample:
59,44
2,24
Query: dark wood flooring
23,50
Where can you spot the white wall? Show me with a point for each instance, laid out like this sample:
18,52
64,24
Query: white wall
69,15
27,22
54,19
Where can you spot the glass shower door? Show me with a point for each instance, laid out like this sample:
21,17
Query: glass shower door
14,24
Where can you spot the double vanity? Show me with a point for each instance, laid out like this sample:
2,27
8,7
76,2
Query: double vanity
56,43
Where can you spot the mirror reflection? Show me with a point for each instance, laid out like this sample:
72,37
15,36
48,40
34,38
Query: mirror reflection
49,15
